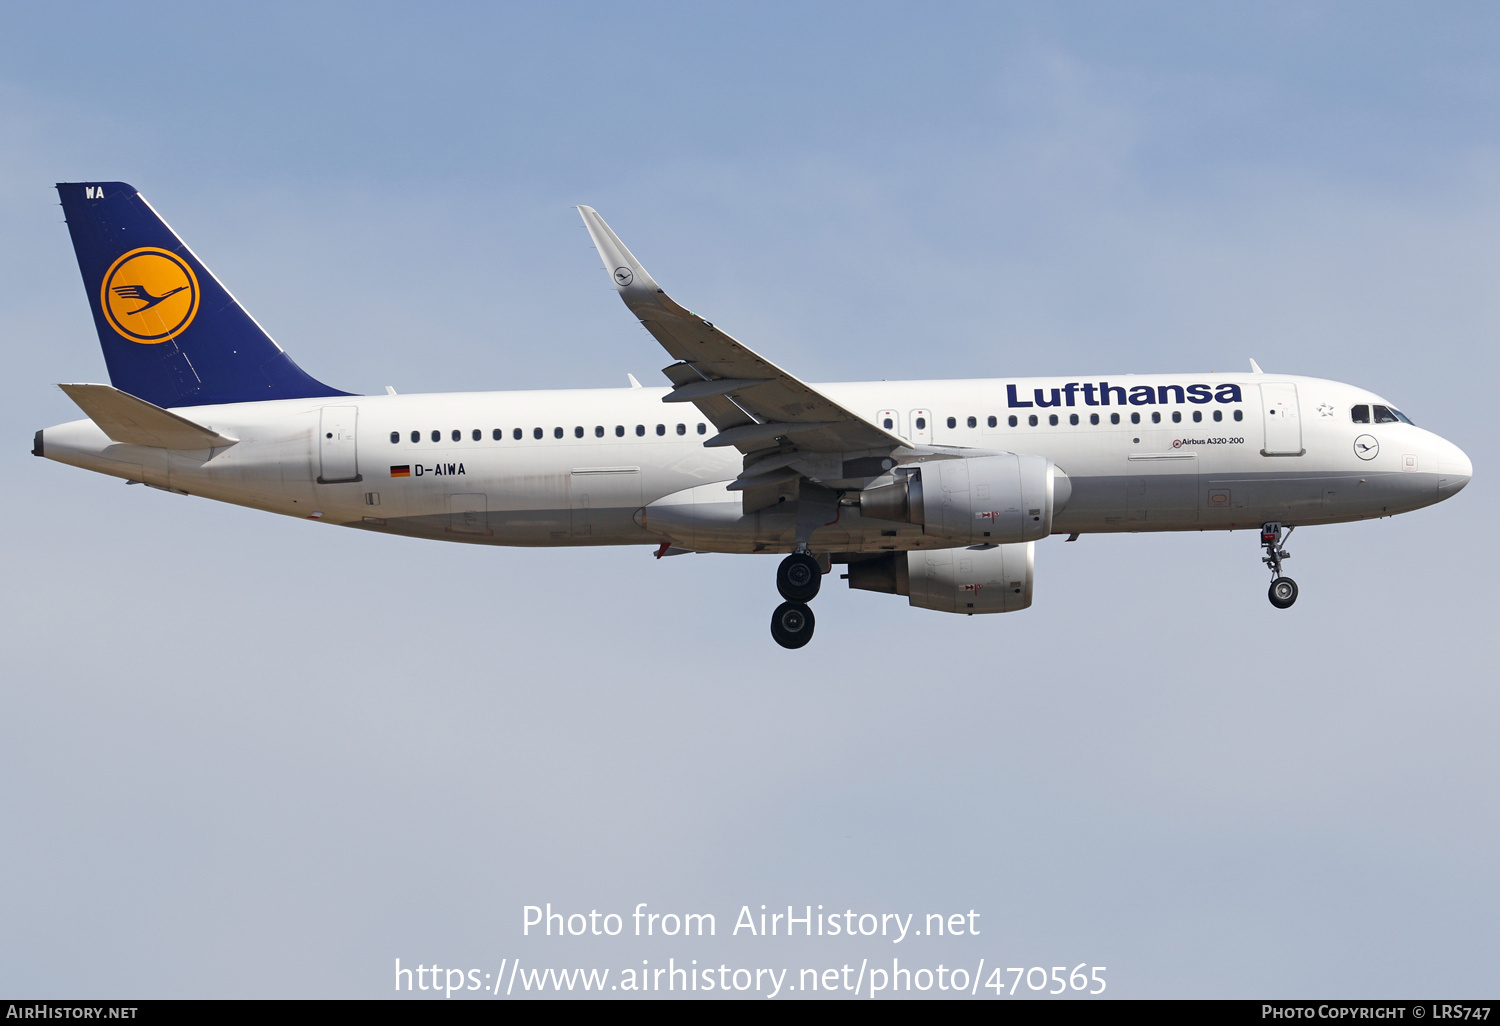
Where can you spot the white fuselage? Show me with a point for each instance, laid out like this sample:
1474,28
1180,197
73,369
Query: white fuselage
607,459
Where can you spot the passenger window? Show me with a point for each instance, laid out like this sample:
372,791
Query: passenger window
557,432
578,431
1155,417
973,422
1218,415
497,434
1135,418
416,436
661,429
1013,420
992,421
1052,420
921,423
619,430
457,434
1031,420
478,434
1114,418
682,429
1073,419
599,431
1176,416
1197,416
1384,416
536,432
1093,418
516,434
1360,414
437,436
640,429
702,428
395,437
1239,414
952,422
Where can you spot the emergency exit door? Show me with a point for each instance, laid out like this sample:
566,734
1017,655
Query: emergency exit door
921,427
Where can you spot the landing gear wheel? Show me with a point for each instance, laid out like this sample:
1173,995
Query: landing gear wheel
1283,592
799,577
1283,589
792,625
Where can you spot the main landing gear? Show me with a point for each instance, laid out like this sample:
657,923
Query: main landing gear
1283,589
798,579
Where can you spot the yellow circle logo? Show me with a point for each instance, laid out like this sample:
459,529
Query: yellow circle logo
149,295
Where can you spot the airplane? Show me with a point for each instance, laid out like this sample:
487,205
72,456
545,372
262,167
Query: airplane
937,491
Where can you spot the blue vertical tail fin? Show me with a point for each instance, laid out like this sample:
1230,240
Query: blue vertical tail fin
172,335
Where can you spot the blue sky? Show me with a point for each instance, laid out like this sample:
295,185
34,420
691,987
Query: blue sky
253,756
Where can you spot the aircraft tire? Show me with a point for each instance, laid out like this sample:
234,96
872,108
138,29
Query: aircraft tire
1283,592
792,624
799,577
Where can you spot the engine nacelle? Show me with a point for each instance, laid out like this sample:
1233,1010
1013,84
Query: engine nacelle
994,579
981,500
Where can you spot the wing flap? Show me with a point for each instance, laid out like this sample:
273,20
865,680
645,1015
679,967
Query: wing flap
705,389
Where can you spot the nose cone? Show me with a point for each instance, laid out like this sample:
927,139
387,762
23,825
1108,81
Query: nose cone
1454,470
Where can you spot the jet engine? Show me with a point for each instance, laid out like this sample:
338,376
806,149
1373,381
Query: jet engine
983,579
984,500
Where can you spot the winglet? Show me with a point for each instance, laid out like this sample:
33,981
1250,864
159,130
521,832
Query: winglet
124,418
624,269
1255,367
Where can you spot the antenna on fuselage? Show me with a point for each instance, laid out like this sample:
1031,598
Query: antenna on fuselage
1255,367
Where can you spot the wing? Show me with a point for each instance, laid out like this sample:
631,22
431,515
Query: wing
777,421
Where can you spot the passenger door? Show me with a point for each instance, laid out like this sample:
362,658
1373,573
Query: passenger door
338,460
1283,424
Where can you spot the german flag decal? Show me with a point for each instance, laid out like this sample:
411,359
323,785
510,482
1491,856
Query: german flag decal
401,471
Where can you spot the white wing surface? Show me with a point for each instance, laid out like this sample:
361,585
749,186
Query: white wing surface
769,415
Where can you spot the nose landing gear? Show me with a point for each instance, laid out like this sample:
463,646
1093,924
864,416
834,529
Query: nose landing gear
1283,589
798,579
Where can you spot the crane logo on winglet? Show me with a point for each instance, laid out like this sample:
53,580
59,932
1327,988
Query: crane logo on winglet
149,295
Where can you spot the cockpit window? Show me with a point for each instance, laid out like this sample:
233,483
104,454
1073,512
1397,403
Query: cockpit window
1403,418
1383,415
1361,414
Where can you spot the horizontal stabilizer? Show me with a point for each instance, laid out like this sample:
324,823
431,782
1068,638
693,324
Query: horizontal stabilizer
124,418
